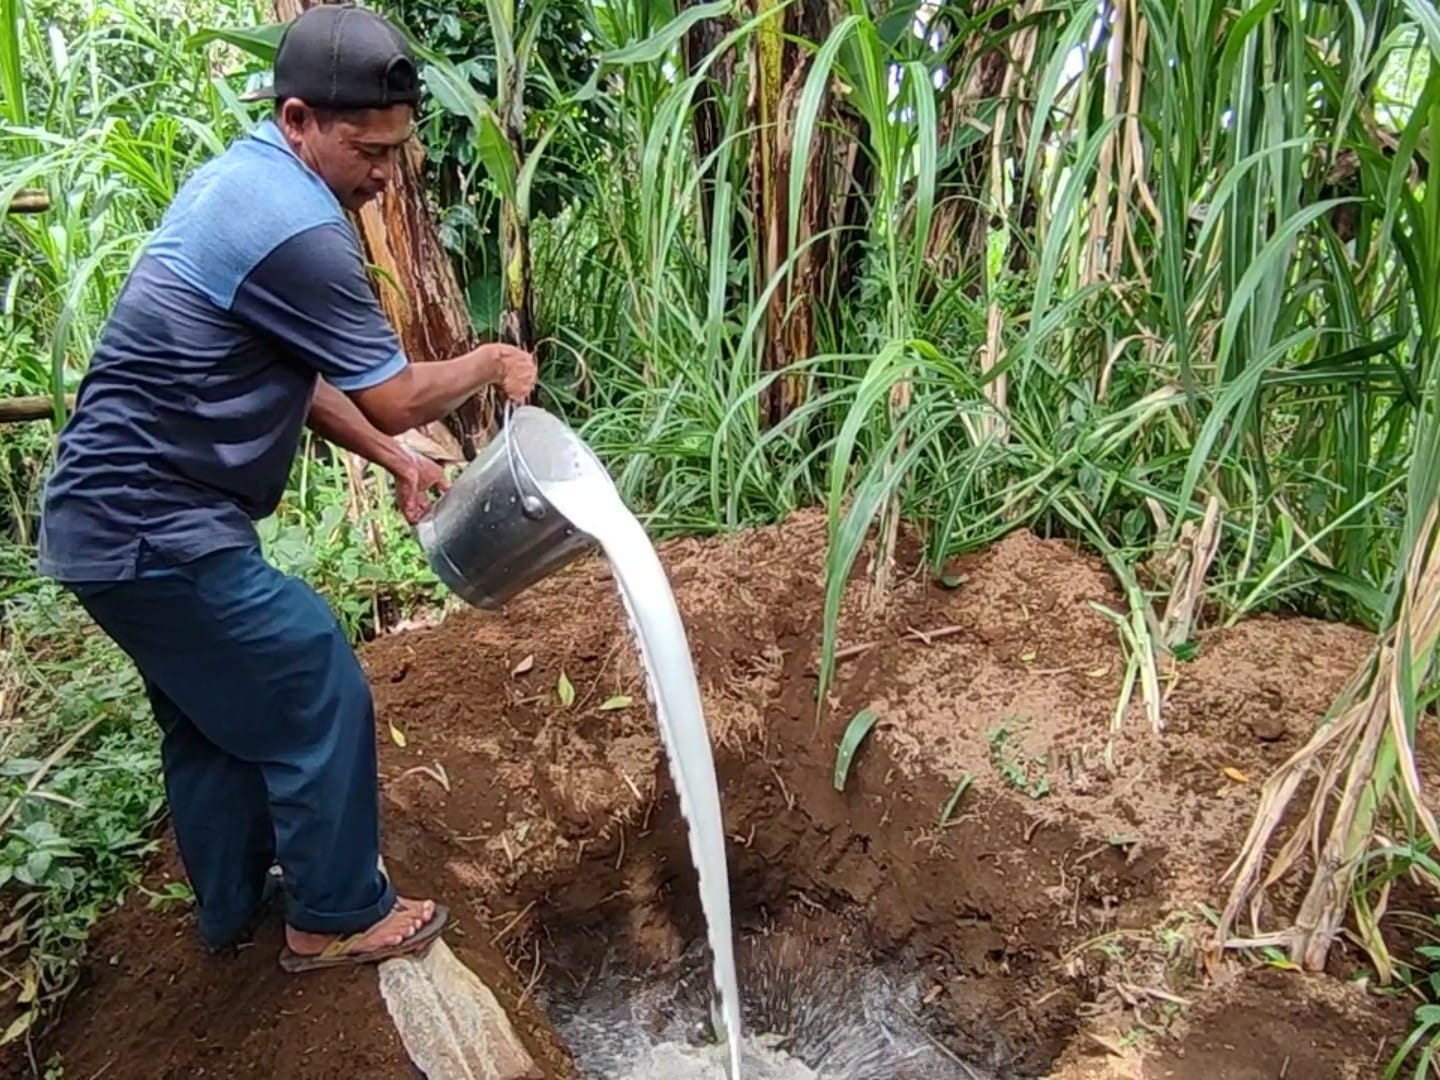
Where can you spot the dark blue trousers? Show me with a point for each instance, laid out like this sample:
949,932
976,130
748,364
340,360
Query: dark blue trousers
268,738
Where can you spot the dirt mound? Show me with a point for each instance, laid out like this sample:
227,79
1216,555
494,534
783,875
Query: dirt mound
1048,910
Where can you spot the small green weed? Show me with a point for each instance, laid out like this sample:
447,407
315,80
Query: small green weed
1421,1047
953,802
366,562
80,790
1026,775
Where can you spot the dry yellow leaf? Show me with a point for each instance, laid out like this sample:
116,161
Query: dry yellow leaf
30,987
19,1027
1235,774
397,735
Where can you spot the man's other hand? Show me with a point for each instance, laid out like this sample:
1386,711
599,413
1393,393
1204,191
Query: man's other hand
414,481
515,371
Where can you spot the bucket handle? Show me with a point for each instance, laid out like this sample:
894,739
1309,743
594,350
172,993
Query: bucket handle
532,506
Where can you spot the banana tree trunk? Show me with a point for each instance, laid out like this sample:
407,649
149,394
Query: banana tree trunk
812,272
517,321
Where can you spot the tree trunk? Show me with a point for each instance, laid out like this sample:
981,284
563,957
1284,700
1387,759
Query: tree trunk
427,308
789,318
964,211
812,272
417,287
517,321
517,318
708,119
836,181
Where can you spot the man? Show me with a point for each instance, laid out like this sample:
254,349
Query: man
248,315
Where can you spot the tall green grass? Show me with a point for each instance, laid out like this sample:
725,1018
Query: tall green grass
1199,327
1212,267
1218,299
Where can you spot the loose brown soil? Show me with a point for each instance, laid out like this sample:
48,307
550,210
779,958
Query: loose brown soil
1054,914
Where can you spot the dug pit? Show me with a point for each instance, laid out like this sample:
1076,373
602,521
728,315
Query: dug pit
1006,886
936,950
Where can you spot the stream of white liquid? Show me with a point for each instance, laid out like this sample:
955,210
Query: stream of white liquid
593,505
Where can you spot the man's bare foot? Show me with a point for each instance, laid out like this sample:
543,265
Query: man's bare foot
404,921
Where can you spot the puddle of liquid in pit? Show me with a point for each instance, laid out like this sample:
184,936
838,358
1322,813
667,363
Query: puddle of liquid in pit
813,1012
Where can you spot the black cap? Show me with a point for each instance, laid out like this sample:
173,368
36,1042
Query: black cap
339,56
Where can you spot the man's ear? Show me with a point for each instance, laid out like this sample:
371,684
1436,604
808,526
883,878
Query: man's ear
294,115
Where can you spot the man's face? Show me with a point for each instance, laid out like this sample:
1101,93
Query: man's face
355,153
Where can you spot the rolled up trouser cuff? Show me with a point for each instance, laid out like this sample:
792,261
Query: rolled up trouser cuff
340,922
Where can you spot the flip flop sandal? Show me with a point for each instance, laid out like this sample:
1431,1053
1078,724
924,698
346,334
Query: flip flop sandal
337,953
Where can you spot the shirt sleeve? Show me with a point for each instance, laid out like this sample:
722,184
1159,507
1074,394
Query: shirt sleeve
311,294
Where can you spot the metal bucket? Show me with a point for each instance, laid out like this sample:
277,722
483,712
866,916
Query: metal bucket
494,534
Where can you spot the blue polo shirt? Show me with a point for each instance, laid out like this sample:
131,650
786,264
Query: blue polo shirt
189,417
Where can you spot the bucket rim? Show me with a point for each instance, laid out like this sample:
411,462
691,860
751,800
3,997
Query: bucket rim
535,417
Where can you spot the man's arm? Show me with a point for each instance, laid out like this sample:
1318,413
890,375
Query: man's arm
420,393
335,418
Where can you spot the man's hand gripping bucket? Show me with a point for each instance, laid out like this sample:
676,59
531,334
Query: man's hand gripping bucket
494,534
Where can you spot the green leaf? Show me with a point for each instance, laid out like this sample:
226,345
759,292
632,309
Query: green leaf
955,796
855,733
452,91
565,691
619,701
40,832
496,153
455,93
259,41
658,45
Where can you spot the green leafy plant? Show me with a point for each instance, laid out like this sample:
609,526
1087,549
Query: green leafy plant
1020,772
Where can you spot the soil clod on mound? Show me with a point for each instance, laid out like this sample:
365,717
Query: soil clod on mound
1044,918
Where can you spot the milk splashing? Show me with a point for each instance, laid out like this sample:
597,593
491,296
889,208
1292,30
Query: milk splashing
593,505
816,1008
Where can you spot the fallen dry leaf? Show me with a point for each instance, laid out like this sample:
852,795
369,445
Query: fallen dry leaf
1235,774
524,665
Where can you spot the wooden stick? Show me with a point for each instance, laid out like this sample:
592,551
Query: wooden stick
29,202
927,636
851,651
40,407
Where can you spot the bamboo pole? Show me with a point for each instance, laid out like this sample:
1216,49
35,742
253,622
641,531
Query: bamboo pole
28,202
18,410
